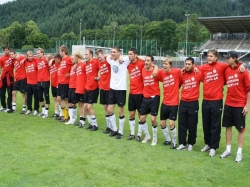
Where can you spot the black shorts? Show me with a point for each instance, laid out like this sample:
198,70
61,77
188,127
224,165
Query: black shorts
80,97
63,90
233,116
72,96
117,97
54,91
150,105
104,97
168,112
134,102
20,85
91,96
43,85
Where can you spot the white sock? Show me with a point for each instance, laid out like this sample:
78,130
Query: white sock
107,121
112,121
154,129
82,122
145,129
43,110
24,108
14,106
228,148
70,114
89,119
121,124
60,110
132,126
93,121
166,134
239,150
173,132
140,128
46,112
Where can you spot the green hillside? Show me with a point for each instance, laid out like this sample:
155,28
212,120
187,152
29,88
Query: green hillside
57,17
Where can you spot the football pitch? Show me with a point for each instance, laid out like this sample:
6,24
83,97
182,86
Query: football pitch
45,152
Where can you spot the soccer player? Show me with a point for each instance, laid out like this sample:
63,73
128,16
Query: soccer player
31,89
43,82
104,82
136,89
91,88
170,78
118,87
80,85
150,101
7,79
72,94
63,80
189,106
54,65
213,82
236,104
20,80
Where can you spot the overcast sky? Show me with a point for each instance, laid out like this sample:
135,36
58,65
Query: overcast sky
4,1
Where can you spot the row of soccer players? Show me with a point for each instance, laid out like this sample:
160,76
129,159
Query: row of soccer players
145,96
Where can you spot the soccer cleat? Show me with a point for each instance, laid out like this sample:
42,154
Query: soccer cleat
69,123
23,112
205,148
35,113
80,124
190,147
63,120
225,154
166,143
58,117
7,110
2,109
107,131
28,112
146,139
154,142
173,146
89,127
55,115
10,111
131,137
138,138
212,152
113,133
41,114
94,128
238,157
181,147
119,136
45,116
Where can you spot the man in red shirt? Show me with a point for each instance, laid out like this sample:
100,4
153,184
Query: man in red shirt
189,106
31,89
170,78
104,82
213,82
236,104
80,85
54,65
7,79
91,87
63,80
20,80
43,82
150,101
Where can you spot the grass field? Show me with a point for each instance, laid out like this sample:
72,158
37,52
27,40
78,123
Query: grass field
45,152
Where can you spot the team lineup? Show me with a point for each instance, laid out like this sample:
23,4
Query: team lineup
76,82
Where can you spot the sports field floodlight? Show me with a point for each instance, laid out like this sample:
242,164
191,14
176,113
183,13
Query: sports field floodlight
187,15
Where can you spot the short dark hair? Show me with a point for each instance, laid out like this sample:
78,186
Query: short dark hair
214,52
12,51
117,48
152,58
90,51
191,59
58,56
6,47
98,51
134,50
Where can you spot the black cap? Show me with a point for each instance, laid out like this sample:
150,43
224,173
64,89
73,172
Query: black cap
232,54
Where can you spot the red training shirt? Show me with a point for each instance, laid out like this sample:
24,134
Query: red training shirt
92,68
6,65
53,74
20,71
65,67
105,74
80,78
135,75
72,77
42,70
31,69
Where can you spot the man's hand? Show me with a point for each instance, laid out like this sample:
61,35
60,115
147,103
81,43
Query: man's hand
245,110
241,68
67,75
196,70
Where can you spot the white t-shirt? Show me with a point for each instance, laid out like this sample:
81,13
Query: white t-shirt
118,80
